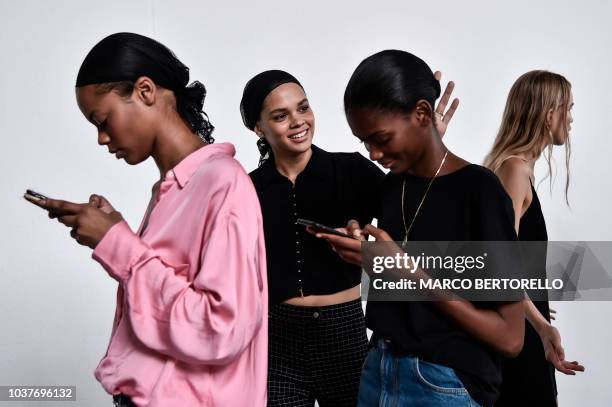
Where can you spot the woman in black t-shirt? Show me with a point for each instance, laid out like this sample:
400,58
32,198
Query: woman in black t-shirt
442,353
317,340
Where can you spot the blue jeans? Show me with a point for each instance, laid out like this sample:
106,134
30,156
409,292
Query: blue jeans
397,381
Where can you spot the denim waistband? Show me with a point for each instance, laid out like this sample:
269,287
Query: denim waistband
387,345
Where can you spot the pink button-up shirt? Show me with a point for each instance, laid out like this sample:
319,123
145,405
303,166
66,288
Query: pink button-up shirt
191,322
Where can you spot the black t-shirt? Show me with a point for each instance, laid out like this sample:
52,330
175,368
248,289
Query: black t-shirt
332,189
468,204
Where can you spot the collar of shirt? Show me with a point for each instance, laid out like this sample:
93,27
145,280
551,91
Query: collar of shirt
319,165
184,170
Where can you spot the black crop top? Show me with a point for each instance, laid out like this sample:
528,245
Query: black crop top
332,189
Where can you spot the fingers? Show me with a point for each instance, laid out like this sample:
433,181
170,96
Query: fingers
445,98
552,314
348,249
101,202
451,111
574,366
59,207
94,200
350,257
379,234
353,228
442,115
68,220
565,370
340,242
570,368
75,235
311,230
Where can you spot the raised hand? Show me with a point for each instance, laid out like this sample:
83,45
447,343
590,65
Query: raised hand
443,117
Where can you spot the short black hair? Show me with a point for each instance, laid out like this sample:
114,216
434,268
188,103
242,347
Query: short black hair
391,80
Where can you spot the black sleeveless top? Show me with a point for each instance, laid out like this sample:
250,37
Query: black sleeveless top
529,379
533,225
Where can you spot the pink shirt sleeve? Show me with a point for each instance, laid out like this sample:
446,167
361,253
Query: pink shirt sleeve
212,319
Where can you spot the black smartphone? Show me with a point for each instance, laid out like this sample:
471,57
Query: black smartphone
322,228
33,195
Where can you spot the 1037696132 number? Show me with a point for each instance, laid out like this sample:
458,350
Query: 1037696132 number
38,393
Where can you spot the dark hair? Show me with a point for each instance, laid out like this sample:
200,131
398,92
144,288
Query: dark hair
391,80
255,92
120,59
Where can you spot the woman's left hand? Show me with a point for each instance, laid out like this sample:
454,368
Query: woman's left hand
89,222
554,352
443,117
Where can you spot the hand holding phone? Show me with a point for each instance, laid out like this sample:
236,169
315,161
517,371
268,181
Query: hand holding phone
89,222
56,208
323,229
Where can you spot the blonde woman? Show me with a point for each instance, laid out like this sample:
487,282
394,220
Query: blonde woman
537,116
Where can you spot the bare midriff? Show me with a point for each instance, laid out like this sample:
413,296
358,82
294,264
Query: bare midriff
340,297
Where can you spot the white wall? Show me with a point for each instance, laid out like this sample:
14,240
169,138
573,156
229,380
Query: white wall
57,304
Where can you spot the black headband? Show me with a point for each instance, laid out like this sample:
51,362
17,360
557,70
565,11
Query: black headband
128,56
257,89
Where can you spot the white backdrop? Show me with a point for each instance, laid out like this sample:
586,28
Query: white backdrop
57,304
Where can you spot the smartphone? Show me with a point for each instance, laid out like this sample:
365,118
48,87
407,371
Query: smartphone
36,196
322,228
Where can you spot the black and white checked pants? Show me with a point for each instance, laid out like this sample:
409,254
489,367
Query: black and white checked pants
315,353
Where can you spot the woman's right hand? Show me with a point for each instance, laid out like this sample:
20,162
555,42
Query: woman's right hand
348,249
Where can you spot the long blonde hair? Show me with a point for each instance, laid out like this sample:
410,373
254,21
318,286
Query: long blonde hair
523,129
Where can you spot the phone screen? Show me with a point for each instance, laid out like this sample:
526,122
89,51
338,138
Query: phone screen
37,196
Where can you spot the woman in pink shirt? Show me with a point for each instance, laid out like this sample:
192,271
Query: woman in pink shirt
190,326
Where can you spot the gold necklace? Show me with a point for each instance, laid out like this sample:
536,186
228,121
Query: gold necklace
407,229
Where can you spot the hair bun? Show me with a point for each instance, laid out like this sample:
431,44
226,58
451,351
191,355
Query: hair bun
190,104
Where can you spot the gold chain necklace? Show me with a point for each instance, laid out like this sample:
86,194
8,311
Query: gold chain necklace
408,228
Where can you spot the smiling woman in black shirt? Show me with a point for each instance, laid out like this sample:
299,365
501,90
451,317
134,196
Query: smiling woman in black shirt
317,335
